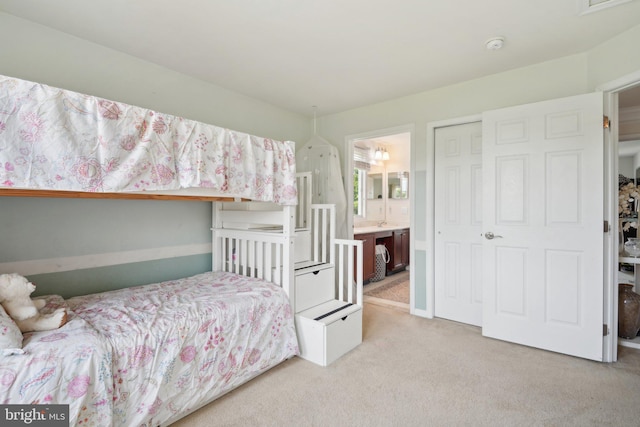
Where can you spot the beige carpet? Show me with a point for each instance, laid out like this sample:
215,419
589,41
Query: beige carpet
411,371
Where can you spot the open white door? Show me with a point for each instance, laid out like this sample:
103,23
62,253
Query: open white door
458,223
543,225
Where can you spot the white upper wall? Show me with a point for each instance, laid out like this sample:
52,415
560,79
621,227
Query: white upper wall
617,57
37,53
563,77
626,167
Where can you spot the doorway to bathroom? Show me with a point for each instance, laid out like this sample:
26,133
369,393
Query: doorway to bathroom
379,195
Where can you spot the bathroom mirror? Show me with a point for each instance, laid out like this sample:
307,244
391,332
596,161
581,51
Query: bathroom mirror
374,186
398,185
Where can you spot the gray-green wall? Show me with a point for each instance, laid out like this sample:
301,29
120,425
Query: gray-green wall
79,246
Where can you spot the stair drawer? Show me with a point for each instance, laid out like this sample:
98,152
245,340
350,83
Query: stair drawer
314,286
325,338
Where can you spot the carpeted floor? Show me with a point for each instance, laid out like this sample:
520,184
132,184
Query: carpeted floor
411,371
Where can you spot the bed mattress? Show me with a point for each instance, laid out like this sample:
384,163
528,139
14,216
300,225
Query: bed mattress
147,355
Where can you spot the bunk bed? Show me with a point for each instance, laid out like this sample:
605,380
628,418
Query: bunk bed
151,354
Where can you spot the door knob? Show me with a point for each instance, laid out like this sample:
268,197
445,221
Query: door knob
490,236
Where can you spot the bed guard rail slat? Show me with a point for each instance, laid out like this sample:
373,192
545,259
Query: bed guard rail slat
251,253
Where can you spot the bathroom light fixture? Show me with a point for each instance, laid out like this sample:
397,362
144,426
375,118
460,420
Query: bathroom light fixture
381,154
495,43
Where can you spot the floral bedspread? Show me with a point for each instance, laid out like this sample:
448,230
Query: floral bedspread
55,139
70,365
148,355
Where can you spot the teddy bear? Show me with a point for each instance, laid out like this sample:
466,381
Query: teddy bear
15,291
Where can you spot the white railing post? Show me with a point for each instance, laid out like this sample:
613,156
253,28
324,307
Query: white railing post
332,234
288,255
216,242
345,270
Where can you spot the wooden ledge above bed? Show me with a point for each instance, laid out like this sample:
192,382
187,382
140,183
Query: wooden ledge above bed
12,192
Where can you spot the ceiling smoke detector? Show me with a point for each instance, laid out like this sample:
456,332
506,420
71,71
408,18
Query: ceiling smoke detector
495,43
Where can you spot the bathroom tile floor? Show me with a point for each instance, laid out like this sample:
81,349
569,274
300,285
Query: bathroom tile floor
392,291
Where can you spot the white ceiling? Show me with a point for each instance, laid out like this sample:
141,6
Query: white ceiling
336,55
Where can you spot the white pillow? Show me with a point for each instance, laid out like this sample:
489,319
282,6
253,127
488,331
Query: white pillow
10,335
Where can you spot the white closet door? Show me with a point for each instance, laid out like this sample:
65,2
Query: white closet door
458,223
543,201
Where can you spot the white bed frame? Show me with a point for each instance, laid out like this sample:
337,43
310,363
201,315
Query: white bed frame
266,241
261,240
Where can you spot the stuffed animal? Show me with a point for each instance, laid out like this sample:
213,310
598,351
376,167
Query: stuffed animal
15,291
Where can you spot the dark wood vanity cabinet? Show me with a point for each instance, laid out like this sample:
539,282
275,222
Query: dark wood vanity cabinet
396,242
368,255
400,253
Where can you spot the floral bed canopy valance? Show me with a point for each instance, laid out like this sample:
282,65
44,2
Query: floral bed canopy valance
55,139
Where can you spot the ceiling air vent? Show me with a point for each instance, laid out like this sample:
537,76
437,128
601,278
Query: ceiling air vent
590,6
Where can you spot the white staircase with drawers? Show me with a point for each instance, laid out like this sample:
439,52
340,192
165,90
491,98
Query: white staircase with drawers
328,291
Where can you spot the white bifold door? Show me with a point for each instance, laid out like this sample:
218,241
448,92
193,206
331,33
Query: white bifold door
458,223
543,225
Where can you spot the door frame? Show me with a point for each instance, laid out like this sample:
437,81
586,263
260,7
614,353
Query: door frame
349,141
610,300
610,92
430,200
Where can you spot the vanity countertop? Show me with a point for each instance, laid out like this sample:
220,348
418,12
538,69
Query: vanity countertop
376,229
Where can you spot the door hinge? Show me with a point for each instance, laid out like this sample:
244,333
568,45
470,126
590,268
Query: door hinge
607,228
606,123
605,330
